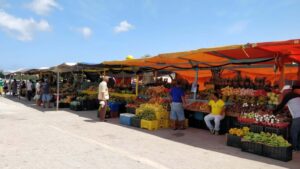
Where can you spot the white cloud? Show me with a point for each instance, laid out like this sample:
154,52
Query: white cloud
43,7
238,27
86,32
124,26
22,29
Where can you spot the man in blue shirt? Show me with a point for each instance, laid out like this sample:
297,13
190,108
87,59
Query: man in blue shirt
177,111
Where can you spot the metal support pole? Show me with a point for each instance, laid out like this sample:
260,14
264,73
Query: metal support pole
196,83
298,71
57,94
137,85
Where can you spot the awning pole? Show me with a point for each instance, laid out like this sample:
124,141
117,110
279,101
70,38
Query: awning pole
282,77
196,82
298,71
137,85
57,96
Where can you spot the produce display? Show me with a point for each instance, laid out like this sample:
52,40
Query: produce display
151,112
273,98
199,106
157,91
267,139
264,118
239,132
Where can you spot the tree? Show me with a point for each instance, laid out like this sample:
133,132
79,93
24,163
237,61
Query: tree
1,74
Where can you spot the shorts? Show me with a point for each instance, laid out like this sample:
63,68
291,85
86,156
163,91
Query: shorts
46,97
177,111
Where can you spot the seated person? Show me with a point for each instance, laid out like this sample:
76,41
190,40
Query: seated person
217,113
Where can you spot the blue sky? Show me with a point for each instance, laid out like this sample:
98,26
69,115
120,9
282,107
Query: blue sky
37,33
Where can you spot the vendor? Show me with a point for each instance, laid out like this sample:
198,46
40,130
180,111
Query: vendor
292,100
217,113
177,103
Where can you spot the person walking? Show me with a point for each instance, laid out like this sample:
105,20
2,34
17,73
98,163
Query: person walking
177,111
29,90
217,113
103,97
292,100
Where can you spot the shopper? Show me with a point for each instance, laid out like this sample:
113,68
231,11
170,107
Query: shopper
177,110
37,96
46,96
217,113
292,100
29,90
5,87
14,87
1,86
103,97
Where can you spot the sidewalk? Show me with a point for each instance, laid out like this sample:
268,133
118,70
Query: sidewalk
32,137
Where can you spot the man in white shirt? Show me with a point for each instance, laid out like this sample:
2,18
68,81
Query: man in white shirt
103,97
29,89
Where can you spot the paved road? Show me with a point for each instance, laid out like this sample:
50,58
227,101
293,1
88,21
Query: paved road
34,138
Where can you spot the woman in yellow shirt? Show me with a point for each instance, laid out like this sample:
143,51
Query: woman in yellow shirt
217,113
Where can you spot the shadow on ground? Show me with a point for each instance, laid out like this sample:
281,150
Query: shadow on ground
191,136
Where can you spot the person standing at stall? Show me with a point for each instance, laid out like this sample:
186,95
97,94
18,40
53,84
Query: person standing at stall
292,100
177,109
46,96
217,113
37,96
14,87
1,86
29,90
103,97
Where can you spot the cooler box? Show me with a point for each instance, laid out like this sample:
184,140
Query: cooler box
125,118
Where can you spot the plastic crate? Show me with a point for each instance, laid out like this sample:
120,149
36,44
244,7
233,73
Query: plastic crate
161,115
164,123
114,114
125,118
135,122
251,147
241,125
279,131
130,110
279,153
149,125
233,141
76,107
198,116
64,105
256,128
114,106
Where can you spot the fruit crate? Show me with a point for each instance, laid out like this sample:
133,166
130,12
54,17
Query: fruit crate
76,107
256,128
241,125
149,125
64,105
279,131
130,110
114,114
251,147
279,153
161,115
135,122
233,141
164,123
125,118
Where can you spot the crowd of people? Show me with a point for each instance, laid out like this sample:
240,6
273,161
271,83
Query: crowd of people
38,90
